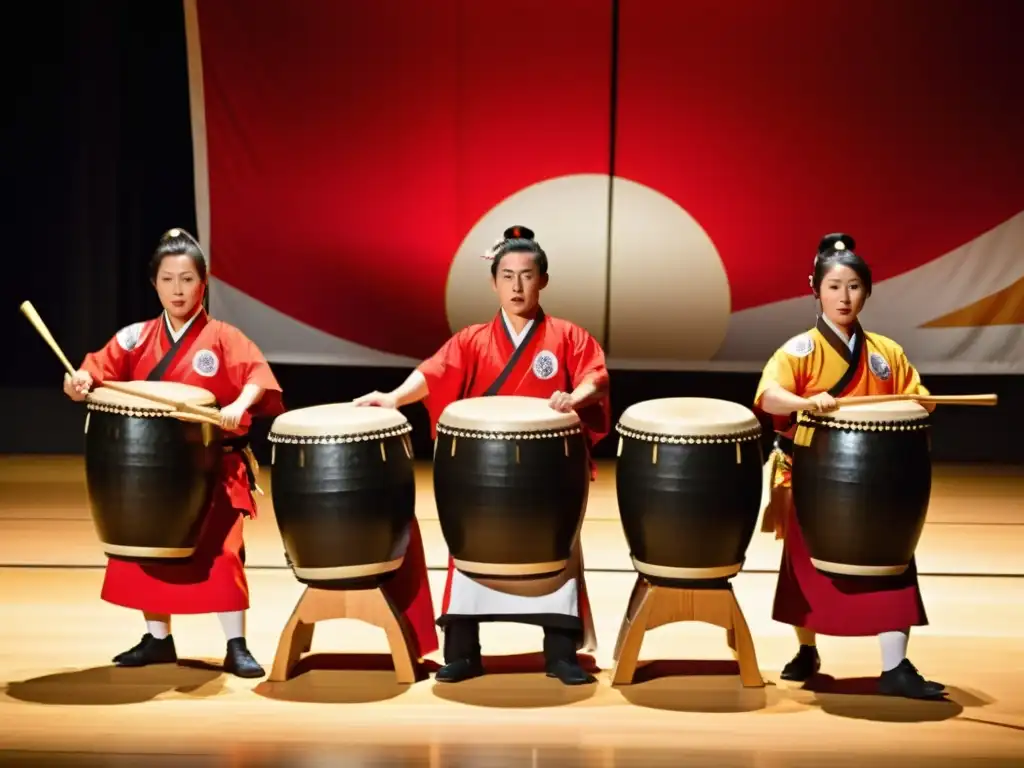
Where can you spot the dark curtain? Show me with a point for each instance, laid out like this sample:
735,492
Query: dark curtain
99,165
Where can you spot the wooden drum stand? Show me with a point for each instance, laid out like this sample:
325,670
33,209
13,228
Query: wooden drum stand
371,606
652,606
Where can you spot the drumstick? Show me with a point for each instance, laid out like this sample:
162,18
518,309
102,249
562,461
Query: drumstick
195,417
37,322
930,399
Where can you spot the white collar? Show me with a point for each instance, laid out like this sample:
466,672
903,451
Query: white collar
840,333
177,334
517,338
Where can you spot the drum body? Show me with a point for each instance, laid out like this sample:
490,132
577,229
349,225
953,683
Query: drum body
511,480
689,482
861,485
149,476
344,491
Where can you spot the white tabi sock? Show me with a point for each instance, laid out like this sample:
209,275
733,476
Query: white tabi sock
159,628
233,623
894,648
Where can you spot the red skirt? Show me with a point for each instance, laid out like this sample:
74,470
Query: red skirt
409,591
848,607
213,579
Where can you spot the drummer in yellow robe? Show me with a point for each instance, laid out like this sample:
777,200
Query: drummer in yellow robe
837,358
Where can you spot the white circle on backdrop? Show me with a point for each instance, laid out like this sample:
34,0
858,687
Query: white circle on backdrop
568,216
669,297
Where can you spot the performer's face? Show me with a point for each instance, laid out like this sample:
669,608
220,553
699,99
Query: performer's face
519,283
843,295
179,286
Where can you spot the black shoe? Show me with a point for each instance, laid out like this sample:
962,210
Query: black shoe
148,651
569,673
239,661
803,666
904,680
457,671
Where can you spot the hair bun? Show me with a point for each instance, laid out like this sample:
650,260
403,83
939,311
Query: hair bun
519,233
837,241
176,232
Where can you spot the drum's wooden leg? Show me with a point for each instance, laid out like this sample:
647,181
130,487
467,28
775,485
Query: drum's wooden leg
307,646
380,611
635,629
635,597
369,605
296,638
304,636
743,645
668,605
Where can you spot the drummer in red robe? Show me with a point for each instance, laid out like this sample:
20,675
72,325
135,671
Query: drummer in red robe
185,345
522,352
837,358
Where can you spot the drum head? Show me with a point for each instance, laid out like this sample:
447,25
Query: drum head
109,399
875,413
340,420
506,414
685,417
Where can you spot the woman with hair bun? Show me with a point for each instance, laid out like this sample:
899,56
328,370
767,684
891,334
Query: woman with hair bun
837,358
185,345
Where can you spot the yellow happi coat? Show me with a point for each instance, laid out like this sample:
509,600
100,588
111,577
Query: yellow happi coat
820,360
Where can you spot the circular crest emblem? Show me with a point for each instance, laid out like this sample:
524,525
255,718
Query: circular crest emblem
800,346
128,337
205,363
545,365
879,366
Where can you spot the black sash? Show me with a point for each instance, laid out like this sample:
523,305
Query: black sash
161,368
852,358
516,354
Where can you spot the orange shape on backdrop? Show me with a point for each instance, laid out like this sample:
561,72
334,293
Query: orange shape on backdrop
1003,308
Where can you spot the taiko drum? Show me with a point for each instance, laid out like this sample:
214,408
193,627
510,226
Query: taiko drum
861,485
511,481
688,482
344,492
149,475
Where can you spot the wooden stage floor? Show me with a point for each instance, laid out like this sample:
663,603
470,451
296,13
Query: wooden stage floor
62,703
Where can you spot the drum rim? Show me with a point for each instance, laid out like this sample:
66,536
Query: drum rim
917,424
142,404
155,411
361,437
748,435
297,423
540,434
555,422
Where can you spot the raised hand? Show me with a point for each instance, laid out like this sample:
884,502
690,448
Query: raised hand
77,387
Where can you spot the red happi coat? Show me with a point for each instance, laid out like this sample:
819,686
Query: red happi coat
220,359
473,359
